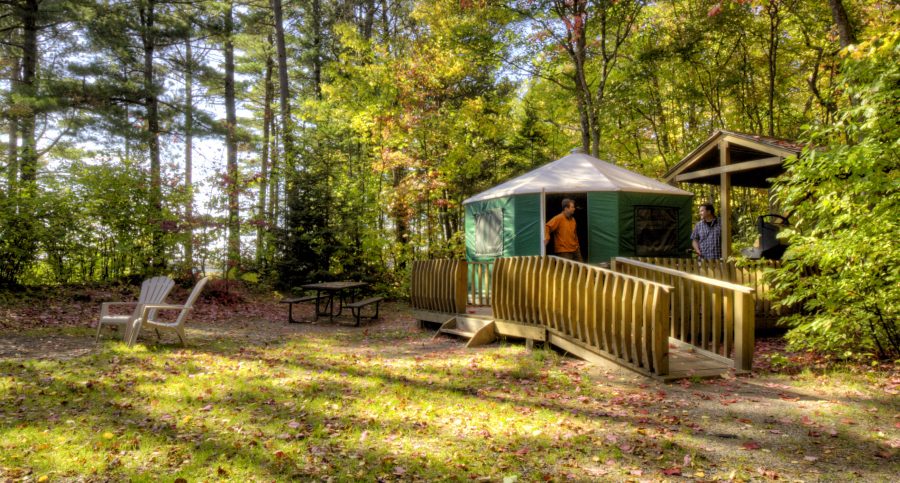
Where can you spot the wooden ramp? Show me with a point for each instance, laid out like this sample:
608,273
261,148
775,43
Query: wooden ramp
480,328
685,363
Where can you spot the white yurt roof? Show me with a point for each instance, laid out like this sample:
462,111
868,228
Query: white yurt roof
577,172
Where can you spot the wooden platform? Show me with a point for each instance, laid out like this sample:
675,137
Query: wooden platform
684,364
685,361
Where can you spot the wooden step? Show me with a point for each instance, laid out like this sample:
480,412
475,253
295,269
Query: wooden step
479,330
472,324
447,325
485,335
461,333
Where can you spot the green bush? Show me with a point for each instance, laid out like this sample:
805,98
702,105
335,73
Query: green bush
843,265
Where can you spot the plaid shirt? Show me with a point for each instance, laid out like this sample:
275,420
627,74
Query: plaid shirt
709,235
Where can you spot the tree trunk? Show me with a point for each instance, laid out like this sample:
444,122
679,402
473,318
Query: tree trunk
189,153
12,151
400,211
287,124
232,181
275,179
151,104
583,101
12,166
574,16
845,29
28,87
264,219
369,20
317,47
773,11
615,22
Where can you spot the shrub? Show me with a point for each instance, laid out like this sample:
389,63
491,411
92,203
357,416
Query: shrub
843,264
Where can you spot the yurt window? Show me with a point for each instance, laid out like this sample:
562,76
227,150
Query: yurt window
655,231
489,233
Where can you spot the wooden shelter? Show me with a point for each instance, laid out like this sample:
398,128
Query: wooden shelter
729,159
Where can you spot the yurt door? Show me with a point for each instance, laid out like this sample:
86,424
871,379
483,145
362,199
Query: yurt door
553,206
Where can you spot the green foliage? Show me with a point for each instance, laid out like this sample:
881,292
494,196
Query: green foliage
97,226
17,241
843,265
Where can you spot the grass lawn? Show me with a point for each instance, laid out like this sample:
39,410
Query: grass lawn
253,398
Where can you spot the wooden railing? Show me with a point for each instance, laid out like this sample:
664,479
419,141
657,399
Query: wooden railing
750,273
480,275
439,285
620,317
710,314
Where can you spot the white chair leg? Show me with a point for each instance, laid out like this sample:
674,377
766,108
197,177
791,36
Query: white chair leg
99,326
180,331
132,335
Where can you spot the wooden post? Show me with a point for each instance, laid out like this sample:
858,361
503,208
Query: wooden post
497,287
543,221
460,287
725,200
744,321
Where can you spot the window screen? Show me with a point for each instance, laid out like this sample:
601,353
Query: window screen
655,231
489,233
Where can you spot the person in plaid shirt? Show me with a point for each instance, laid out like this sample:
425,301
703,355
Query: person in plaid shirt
707,235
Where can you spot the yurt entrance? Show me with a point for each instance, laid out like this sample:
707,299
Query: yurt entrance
553,207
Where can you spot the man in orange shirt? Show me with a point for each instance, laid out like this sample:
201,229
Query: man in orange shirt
562,227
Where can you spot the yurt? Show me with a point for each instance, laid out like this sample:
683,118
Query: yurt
618,212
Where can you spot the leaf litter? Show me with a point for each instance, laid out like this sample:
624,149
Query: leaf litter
253,397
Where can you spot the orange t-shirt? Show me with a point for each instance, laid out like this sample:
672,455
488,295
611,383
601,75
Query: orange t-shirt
565,239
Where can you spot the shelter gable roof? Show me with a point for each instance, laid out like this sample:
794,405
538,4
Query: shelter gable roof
741,145
577,172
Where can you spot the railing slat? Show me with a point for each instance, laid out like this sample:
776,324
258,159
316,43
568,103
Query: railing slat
660,330
590,291
637,317
716,319
743,332
579,292
728,323
706,316
605,315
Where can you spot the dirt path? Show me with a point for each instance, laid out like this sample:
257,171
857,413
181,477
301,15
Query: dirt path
60,347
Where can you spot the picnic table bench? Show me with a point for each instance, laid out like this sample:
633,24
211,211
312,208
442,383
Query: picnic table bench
356,307
297,300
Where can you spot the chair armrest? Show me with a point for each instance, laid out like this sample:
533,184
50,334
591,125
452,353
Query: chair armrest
104,307
148,307
145,309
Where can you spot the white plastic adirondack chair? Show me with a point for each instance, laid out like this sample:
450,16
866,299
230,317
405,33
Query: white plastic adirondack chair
153,291
149,311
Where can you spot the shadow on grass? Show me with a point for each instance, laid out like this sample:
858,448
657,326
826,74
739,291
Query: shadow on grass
304,410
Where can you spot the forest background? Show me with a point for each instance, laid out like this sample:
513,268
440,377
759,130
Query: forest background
351,131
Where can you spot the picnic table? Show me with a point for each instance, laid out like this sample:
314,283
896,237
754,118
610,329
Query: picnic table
326,292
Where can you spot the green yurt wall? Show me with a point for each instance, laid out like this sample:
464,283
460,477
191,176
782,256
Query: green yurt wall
628,216
603,226
519,231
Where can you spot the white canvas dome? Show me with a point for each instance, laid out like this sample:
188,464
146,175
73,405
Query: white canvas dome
577,172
